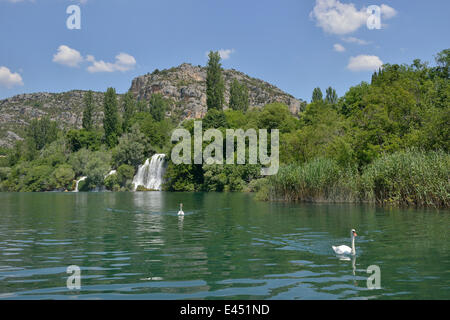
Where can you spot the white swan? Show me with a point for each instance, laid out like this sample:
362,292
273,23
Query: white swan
181,213
346,249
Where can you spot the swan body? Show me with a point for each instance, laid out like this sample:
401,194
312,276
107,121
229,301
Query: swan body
344,250
181,213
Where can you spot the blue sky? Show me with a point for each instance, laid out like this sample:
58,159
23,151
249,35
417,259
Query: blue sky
295,45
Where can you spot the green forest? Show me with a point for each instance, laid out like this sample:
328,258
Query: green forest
384,142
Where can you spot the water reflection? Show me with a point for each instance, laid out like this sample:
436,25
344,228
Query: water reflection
180,222
152,202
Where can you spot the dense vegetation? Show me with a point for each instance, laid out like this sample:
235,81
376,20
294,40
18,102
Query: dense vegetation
386,141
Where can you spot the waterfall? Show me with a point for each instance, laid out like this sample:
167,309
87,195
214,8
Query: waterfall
150,174
78,181
111,173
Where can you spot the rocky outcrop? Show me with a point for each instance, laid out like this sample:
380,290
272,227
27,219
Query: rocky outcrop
184,85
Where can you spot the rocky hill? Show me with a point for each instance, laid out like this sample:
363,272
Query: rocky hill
184,85
65,108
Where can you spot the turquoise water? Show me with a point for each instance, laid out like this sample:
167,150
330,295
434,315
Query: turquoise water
227,246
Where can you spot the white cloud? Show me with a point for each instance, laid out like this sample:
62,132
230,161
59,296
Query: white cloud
339,47
340,18
124,62
9,79
387,12
67,56
226,53
72,58
364,63
355,40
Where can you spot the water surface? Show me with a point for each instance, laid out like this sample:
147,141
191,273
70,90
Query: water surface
227,246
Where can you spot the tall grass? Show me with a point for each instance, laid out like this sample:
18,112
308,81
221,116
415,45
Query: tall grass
321,180
411,178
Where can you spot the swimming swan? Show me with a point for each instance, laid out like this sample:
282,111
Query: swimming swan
181,213
347,249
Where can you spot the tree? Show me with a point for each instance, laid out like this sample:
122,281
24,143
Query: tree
331,96
125,174
96,168
317,95
443,62
276,116
158,106
238,96
141,106
88,110
215,86
111,119
214,119
41,132
132,148
129,108
78,139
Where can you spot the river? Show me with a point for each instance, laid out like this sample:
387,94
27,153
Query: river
227,246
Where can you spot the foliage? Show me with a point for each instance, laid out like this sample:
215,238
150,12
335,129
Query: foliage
215,86
315,181
112,182
87,121
132,148
276,116
111,118
78,139
214,119
41,132
97,167
239,96
317,95
158,106
64,176
125,174
129,108
408,178
331,96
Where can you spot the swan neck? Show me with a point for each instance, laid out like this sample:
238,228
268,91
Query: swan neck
353,245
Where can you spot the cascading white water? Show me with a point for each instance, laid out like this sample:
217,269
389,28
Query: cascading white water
78,181
111,173
150,174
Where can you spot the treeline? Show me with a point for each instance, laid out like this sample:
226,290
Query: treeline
52,159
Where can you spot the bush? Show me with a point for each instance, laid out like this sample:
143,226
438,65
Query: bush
125,174
4,173
112,182
79,139
64,176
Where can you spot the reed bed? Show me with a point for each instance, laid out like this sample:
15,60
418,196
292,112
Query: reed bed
405,178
